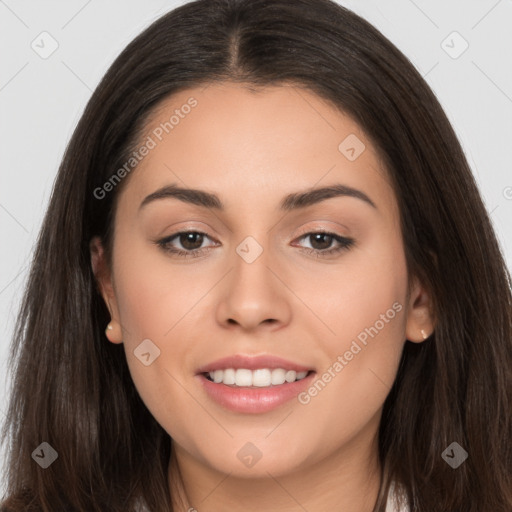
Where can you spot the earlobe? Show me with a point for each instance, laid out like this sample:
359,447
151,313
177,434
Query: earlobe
420,321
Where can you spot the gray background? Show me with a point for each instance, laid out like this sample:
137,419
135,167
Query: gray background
41,100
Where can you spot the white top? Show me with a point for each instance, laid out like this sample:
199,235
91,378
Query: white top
391,504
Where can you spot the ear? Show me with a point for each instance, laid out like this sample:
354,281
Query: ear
420,321
104,280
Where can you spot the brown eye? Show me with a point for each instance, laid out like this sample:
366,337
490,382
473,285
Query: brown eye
321,241
191,240
189,243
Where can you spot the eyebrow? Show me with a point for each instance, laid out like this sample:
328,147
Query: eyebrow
294,201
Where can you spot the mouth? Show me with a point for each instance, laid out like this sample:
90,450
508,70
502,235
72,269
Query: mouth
253,385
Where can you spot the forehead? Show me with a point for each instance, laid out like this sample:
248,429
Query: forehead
248,143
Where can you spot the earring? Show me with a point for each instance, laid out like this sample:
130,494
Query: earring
424,334
113,332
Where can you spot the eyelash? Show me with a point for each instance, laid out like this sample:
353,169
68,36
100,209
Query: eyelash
345,244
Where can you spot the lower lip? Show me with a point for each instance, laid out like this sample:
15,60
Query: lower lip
254,400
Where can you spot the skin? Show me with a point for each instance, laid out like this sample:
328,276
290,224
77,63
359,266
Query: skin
252,149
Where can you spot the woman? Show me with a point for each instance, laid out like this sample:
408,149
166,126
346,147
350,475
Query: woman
266,280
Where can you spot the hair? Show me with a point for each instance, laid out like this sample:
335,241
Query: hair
72,388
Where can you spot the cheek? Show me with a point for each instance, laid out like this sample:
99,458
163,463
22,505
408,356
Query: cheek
158,301
152,293
365,310
357,294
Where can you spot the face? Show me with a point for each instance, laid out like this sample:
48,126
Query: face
285,282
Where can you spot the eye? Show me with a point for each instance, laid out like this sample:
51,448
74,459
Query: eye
190,241
321,243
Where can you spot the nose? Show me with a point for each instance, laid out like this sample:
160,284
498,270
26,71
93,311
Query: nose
253,295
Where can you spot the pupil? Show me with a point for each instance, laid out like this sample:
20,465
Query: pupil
317,236
187,240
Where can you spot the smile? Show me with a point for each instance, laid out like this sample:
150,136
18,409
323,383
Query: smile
261,378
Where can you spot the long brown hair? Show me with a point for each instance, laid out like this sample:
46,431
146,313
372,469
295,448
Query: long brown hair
72,388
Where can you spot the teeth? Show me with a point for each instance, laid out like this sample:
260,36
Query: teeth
228,376
243,377
278,376
290,376
260,378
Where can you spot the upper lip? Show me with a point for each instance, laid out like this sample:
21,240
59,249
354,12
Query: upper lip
252,363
